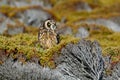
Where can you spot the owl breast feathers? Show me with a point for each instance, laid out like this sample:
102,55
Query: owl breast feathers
47,39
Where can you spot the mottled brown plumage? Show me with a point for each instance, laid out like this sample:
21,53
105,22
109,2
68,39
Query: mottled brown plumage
47,36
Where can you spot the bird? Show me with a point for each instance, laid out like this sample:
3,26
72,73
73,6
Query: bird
47,36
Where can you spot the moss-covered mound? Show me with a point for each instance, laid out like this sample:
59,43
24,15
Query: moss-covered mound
27,46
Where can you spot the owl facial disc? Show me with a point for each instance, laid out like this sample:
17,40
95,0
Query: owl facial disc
50,25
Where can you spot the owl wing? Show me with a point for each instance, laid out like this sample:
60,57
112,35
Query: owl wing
58,38
40,33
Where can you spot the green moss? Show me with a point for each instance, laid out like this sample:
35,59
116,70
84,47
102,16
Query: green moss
110,44
114,52
108,2
110,40
11,11
22,42
67,9
27,44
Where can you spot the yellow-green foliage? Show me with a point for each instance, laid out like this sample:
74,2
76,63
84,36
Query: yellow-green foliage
12,11
22,42
28,45
114,52
104,2
67,9
110,44
110,40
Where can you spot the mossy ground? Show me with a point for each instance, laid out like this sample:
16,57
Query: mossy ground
27,43
110,44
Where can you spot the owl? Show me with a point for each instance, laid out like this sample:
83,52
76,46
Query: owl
47,37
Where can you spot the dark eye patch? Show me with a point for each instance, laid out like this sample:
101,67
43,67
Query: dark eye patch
48,24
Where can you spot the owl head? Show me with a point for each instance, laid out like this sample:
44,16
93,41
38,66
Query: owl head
50,25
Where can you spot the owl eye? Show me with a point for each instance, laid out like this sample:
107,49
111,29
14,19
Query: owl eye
48,24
